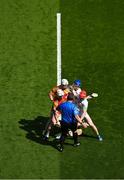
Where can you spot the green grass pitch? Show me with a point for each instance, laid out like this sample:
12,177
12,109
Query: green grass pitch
93,51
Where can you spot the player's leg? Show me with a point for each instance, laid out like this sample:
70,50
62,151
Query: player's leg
73,127
48,127
64,131
92,125
56,118
56,122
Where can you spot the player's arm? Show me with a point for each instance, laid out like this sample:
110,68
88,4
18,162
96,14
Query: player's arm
78,118
80,121
93,95
76,114
89,97
51,95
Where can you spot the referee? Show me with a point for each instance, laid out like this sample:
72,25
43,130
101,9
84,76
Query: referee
70,117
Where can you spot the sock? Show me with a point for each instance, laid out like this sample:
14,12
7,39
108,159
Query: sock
47,134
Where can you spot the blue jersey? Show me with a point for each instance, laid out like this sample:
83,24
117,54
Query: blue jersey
68,110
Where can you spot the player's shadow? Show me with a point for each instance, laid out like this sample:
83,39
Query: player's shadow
34,130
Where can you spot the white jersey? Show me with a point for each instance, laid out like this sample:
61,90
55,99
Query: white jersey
85,104
77,92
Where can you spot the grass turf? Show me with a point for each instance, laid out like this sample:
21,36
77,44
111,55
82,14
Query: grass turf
92,46
92,50
27,72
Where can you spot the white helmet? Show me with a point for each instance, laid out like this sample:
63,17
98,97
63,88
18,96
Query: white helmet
60,92
65,82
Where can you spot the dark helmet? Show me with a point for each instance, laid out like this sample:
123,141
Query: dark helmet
77,82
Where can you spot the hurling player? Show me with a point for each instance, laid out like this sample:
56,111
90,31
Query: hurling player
57,95
84,106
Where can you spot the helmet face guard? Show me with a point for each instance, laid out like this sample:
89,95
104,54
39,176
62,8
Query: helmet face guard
60,93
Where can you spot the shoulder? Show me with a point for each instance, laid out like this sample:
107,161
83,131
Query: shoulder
66,91
55,88
63,104
72,104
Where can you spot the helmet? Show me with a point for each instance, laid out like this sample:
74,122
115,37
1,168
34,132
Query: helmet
83,94
77,82
60,93
64,82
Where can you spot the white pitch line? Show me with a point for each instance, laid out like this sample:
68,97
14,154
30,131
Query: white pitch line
59,49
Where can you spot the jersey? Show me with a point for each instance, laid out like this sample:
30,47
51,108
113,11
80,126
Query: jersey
53,92
84,103
76,92
57,100
68,110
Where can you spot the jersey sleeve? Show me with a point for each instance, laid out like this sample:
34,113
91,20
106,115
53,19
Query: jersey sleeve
76,111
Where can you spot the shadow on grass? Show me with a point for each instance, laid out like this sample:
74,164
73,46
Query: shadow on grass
34,129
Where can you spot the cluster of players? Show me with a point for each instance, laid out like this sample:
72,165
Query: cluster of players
69,112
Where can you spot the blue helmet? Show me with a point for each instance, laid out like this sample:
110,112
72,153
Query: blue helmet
77,82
